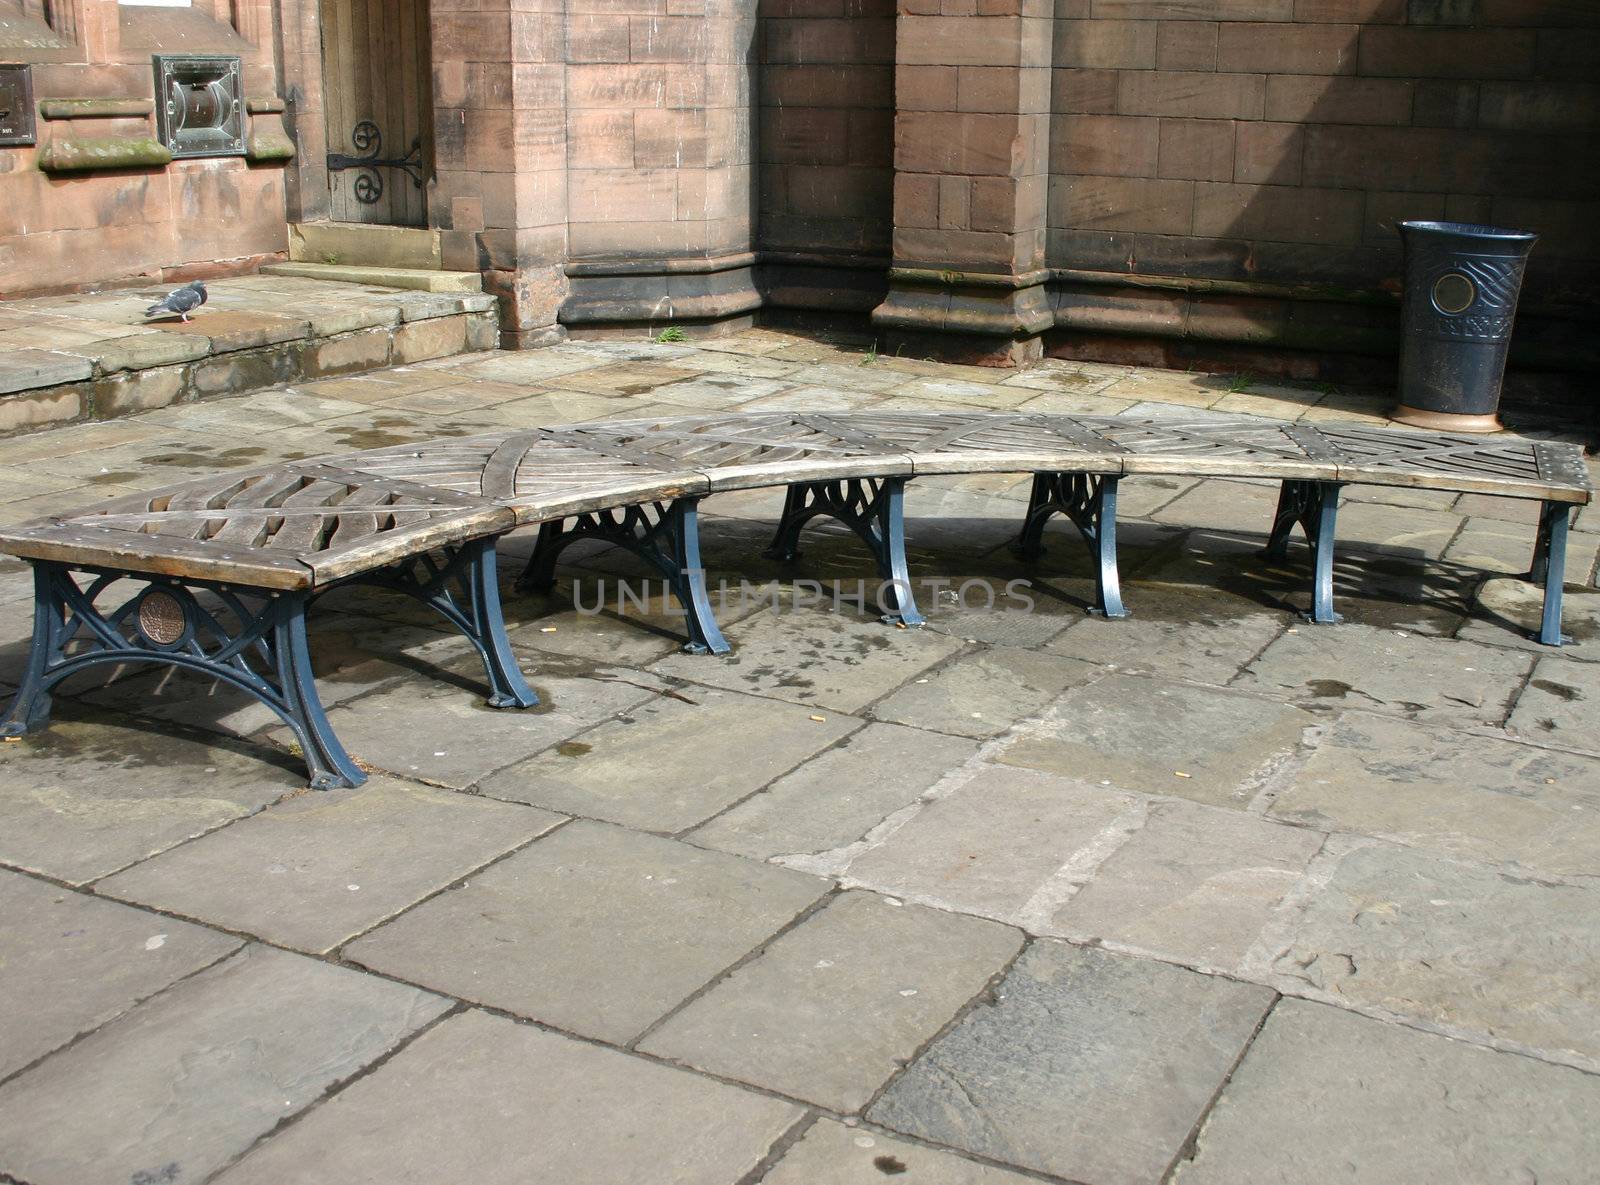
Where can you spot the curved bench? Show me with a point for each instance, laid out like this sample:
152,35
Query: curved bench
227,566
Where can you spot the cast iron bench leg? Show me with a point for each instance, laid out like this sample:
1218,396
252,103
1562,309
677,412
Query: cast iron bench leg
664,534
1314,505
1550,566
1089,501
465,590
255,641
872,507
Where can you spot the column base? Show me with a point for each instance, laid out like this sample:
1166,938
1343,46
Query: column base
633,293
1446,421
532,339
979,319
965,349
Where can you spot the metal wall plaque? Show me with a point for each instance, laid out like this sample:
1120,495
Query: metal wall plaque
199,104
16,106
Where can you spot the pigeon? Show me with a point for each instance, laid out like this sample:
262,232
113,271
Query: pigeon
182,301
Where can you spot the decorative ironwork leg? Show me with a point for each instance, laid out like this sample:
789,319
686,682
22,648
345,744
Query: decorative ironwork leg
465,590
329,764
1314,505
248,638
1089,500
665,535
1550,566
872,507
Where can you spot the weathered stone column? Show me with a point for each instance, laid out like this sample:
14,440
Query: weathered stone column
972,87
659,183
500,149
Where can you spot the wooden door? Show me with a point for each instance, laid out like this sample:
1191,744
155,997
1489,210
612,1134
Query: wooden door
378,95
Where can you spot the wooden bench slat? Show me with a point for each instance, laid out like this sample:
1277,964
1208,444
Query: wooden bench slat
133,551
339,515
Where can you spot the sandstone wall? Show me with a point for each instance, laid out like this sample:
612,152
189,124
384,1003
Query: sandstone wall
826,148
122,218
1252,147
660,162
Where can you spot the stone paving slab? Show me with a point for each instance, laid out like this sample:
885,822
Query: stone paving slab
1477,797
1373,588
1042,607
985,528
1233,506
1142,494
94,794
1075,378
983,694
1358,666
188,1080
920,814
1002,496
1370,588
632,638
1089,1065
69,963
484,1100
318,869
442,731
1195,884
595,929
168,457
1492,545
830,660
106,359
833,1008
1402,532
673,762
1008,844
1507,612
1176,632
1440,1112
1560,705
1502,957
589,617
834,1154
1161,738
839,795
26,368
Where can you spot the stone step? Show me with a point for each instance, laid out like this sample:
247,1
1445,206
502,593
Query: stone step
357,244
96,355
416,279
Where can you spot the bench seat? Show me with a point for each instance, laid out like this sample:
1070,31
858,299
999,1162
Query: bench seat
225,567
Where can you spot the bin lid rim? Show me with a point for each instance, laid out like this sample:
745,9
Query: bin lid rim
1474,230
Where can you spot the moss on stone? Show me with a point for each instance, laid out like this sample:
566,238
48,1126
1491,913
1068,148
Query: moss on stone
94,108
265,146
82,154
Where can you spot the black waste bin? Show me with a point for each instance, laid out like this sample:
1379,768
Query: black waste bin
1460,299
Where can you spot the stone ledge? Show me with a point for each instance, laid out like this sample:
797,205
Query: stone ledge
58,109
87,154
415,279
664,291
116,364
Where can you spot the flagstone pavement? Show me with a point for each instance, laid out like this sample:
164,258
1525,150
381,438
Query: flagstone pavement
1206,895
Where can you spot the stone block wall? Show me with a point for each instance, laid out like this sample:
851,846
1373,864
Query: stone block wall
96,201
1270,146
984,176
826,147
499,194
971,159
660,162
